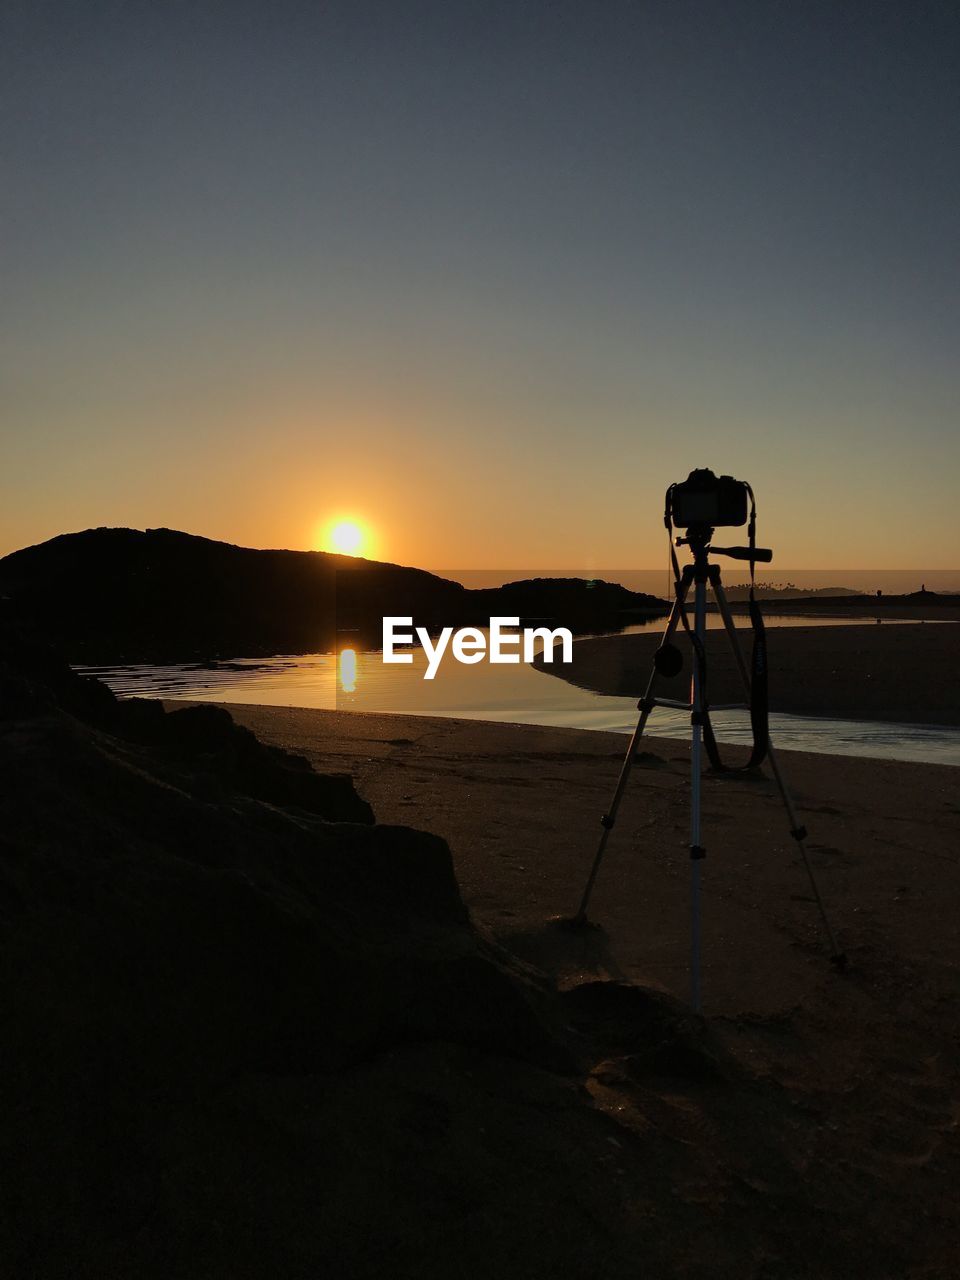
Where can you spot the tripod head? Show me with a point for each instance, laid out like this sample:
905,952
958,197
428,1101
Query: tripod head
698,540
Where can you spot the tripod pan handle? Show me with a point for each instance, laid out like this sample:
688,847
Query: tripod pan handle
763,554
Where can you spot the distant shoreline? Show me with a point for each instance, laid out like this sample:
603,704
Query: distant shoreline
893,582
926,608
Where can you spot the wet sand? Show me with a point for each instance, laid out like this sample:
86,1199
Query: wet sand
907,673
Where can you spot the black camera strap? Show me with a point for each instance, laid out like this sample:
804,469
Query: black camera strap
759,705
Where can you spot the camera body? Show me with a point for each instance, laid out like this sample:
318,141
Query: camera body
704,498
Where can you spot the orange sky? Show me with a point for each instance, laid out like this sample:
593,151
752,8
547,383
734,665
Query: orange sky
475,484
487,283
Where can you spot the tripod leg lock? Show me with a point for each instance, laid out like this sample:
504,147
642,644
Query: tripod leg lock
799,833
646,704
697,853
607,822
697,717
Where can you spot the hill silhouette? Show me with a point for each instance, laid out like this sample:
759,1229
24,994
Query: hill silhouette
159,595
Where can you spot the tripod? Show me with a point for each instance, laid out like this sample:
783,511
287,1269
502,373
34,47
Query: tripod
699,575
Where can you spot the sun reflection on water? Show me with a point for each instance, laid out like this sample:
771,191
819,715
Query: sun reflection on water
347,670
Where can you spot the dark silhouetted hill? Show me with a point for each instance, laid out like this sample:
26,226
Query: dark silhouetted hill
582,604
126,595
113,595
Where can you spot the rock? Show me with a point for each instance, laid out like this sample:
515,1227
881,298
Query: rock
177,912
218,755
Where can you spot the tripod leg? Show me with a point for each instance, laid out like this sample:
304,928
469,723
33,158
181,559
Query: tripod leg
797,829
646,705
696,741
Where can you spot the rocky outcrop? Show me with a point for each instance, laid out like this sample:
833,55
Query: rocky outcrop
182,907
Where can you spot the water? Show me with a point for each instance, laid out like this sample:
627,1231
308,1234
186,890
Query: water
359,681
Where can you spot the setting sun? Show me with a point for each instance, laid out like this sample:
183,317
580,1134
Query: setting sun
346,537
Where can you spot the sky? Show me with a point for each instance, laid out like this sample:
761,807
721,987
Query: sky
483,277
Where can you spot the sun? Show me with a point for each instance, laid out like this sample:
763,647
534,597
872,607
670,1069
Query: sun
346,537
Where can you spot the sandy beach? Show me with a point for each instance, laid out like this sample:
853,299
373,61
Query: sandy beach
519,806
872,1052
258,1032
905,672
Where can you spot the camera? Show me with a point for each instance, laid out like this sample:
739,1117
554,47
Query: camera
704,498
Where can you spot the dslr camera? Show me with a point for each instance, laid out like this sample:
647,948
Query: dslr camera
706,499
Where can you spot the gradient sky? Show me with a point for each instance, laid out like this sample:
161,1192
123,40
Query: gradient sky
485,276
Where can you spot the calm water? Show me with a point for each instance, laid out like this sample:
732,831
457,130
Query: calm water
359,681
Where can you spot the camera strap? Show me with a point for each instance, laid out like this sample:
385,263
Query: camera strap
759,706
